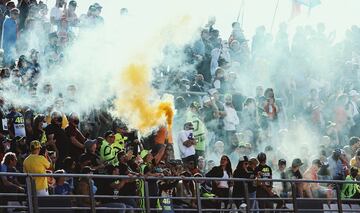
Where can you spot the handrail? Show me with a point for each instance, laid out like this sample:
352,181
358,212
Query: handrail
33,206
173,178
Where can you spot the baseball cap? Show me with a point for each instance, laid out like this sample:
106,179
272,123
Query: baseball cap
212,91
242,145
248,145
92,8
88,143
282,162
243,159
97,6
297,162
35,145
108,133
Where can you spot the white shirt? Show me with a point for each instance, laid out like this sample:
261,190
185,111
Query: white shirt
56,13
182,137
355,108
224,184
231,119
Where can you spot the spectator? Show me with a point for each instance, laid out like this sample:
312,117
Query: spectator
9,35
222,188
111,189
355,161
36,163
264,189
77,139
107,153
57,138
9,184
241,171
61,186
186,143
294,173
335,165
315,189
57,12
90,158
231,120
84,186
351,190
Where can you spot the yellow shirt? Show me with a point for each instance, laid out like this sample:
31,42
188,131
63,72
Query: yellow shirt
37,164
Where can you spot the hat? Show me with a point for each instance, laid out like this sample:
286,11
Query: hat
206,99
296,162
87,170
353,93
35,145
282,162
14,10
108,133
219,143
92,8
73,3
97,6
89,143
242,144
248,145
243,159
195,105
212,91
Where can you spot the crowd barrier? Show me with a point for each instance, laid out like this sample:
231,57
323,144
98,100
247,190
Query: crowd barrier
61,203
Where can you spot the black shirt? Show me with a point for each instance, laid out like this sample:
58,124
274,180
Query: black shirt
62,140
265,172
104,188
93,158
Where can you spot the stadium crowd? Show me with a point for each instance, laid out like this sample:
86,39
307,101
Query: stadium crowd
220,128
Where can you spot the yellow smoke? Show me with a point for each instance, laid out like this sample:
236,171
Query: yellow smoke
134,103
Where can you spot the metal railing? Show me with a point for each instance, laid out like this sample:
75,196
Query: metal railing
32,204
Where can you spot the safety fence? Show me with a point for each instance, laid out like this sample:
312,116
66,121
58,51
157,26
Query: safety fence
61,203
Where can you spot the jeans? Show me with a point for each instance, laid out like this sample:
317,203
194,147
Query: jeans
253,203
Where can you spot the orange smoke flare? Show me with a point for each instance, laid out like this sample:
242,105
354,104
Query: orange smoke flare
134,102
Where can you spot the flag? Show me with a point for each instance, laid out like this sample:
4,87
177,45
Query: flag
296,6
309,3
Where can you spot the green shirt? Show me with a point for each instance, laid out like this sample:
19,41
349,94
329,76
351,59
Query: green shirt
199,130
107,153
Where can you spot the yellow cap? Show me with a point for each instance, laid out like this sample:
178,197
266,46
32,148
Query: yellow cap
35,145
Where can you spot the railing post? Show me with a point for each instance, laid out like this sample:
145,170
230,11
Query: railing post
338,198
29,194
92,197
247,200
293,194
147,199
198,196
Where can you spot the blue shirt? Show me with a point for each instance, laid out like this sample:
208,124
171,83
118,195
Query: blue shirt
9,34
62,189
